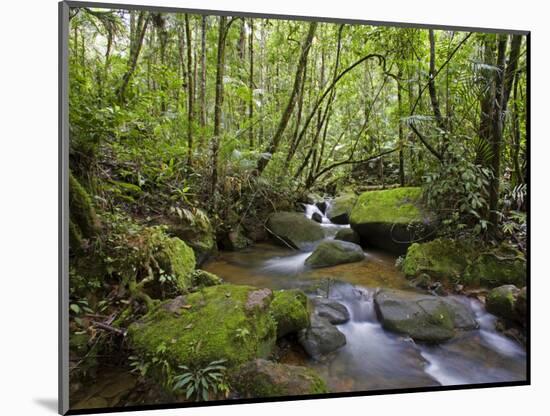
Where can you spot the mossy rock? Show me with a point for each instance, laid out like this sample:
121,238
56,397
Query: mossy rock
391,219
466,263
441,258
496,267
193,227
347,234
202,278
261,378
83,220
234,240
178,260
290,310
333,252
294,229
501,302
228,322
424,318
340,208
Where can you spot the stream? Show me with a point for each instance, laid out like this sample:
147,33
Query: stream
374,358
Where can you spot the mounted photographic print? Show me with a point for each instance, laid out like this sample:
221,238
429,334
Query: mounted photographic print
260,207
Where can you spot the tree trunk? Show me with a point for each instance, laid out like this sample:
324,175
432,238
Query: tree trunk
203,79
251,86
190,92
274,144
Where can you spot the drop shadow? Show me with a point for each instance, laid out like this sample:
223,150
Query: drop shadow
48,404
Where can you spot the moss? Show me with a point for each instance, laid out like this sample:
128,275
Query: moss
440,258
396,206
262,378
502,301
290,310
204,278
333,252
495,268
81,210
466,262
209,327
177,259
340,208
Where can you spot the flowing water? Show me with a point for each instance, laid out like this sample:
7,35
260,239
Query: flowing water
372,357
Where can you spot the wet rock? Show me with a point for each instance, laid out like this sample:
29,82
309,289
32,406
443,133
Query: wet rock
347,234
463,316
333,252
317,217
391,219
263,378
293,229
290,310
335,312
340,208
501,302
321,337
424,318
234,240
521,305
322,206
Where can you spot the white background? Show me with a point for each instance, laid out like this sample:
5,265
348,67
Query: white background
28,204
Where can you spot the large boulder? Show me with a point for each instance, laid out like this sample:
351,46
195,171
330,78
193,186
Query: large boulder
332,252
290,310
467,263
347,234
261,378
193,227
334,311
391,219
339,209
294,229
321,337
424,318
220,322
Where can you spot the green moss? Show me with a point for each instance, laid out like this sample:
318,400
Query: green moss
294,229
396,206
502,301
262,378
290,310
207,328
81,210
466,262
440,258
177,259
204,278
497,268
340,208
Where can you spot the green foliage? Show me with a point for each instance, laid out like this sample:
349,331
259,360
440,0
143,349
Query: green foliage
199,383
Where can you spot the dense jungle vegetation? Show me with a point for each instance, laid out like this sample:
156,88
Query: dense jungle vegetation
187,132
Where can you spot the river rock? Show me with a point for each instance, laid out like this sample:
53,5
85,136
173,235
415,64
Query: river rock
424,318
262,378
467,263
234,240
347,234
322,206
317,217
321,337
335,312
290,310
340,208
208,327
333,252
501,302
391,219
293,229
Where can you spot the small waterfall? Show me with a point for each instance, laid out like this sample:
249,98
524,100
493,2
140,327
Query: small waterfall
312,209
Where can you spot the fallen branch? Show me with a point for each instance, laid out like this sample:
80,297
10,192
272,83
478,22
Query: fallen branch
109,328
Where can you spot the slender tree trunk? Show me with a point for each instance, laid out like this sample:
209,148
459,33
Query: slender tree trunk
431,84
203,80
251,86
274,144
141,27
190,91
220,64
400,129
